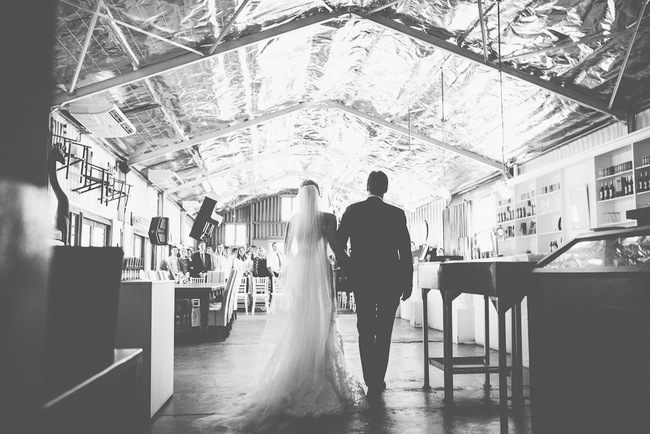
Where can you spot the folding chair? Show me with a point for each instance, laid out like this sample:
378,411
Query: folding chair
260,293
242,295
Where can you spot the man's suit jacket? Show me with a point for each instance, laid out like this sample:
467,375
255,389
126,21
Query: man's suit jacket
380,258
197,264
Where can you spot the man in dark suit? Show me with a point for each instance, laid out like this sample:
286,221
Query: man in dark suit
201,261
379,272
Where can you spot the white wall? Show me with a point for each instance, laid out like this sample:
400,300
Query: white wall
576,163
142,204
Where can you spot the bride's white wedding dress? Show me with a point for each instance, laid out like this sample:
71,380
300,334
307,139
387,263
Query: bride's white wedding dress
304,373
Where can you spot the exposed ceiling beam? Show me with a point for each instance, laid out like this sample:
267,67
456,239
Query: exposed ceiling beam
478,158
562,92
225,30
134,28
230,169
84,48
190,58
627,54
142,157
259,182
481,18
566,45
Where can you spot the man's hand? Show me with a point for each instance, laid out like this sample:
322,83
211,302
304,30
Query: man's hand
406,294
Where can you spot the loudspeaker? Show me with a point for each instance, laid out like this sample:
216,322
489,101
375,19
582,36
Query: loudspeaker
159,231
206,220
124,167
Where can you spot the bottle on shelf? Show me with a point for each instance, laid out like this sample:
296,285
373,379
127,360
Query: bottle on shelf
612,189
640,185
601,192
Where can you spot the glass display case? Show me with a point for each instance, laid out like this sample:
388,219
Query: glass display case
589,328
612,250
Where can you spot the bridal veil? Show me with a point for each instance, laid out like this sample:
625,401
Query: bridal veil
304,372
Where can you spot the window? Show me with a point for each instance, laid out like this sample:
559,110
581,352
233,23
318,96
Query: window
138,246
235,234
72,229
94,234
287,205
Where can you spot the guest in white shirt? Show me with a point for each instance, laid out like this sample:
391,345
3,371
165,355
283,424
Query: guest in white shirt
219,261
170,264
275,260
230,260
240,262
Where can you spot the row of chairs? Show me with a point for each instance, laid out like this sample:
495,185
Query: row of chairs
259,293
225,311
236,294
346,301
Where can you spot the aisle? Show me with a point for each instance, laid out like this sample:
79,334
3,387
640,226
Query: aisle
210,375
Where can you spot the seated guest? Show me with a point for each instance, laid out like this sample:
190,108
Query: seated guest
201,262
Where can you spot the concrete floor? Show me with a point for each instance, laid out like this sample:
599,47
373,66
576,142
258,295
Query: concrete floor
209,375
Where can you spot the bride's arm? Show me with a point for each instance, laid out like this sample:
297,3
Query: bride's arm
333,241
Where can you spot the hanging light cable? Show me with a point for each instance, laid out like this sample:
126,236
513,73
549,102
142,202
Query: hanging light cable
444,192
409,138
502,185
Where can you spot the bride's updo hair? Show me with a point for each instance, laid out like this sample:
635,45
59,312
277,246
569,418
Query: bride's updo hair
307,182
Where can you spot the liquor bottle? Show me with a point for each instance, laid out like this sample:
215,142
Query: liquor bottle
601,192
639,188
631,185
646,182
619,186
608,191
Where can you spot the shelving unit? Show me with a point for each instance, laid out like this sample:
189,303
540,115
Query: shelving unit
505,219
542,230
621,167
641,152
537,208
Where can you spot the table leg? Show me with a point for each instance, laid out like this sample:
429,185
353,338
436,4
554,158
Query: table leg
425,338
448,349
517,362
205,311
486,314
503,373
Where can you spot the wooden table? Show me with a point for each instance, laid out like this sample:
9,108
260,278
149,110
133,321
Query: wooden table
203,292
109,401
501,282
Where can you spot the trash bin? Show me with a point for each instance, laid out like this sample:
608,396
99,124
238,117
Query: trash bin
589,335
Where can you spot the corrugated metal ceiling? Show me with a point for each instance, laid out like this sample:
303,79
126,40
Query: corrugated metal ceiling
243,98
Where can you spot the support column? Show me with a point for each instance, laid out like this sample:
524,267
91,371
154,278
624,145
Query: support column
27,39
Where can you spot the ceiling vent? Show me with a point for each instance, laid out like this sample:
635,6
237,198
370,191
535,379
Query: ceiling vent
164,178
101,118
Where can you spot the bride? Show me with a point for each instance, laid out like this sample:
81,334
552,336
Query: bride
304,372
